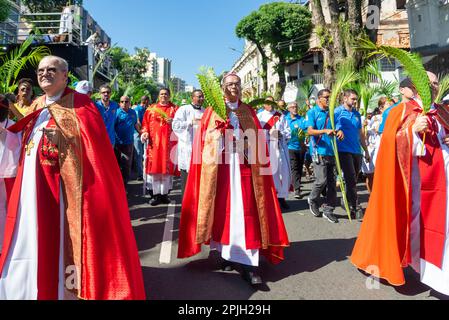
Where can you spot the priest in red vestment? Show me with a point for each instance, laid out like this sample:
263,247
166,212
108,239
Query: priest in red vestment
230,200
160,162
68,233
406,221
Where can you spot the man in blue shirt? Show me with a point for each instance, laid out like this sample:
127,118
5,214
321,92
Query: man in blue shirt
350,149
108,109
296,146
320,130
125,124
138,145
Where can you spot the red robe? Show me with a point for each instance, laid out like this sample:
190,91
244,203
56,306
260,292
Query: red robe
383,245
161,151
264,225
99,238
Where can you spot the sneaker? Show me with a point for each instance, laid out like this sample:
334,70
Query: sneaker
314,208
330,217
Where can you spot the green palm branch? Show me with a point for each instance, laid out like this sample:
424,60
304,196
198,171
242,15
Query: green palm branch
260,102
159,112
345,76
412,64
213,95
387,88
444,88
12,63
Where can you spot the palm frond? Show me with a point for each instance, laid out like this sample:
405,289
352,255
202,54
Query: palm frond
213,95
260,102
16,60
444,88
412,64
159,112
387,88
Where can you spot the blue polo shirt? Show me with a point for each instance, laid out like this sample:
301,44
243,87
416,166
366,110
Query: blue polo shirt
109,116
317,118
296,124
384,118
140,111
124,126
350,123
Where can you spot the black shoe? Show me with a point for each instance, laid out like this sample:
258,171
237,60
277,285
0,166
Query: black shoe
357,214
165,199
157,200
227,265
283,203
314,208
150,193
251,276
330,217
140,179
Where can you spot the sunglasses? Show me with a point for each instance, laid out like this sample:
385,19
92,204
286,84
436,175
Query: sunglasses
127,101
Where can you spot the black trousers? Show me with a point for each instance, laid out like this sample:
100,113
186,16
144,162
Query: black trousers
297,163
124,155
184,174
351,164
324,178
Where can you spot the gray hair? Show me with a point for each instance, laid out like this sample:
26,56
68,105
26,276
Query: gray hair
63,64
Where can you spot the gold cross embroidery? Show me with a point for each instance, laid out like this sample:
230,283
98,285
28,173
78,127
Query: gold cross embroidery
29,146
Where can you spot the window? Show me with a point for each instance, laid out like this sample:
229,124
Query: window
400,4
387,65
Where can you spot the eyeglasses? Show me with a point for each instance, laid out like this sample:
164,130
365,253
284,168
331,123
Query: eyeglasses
105,92
51,70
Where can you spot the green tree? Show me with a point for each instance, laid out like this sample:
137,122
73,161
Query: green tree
276,23
337,36
4,10
49,5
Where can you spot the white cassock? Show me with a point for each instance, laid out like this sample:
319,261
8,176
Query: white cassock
431,275
9,158
184,129
236,250
279,157
18,280
372,143
65,25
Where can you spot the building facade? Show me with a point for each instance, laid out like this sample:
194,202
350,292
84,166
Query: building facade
158,69
429,32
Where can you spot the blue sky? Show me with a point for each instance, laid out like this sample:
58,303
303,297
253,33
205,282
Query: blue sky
191,33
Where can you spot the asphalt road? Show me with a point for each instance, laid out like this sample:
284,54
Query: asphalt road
316,265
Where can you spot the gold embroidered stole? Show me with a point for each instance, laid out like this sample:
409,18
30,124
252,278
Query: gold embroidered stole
68,140
208,182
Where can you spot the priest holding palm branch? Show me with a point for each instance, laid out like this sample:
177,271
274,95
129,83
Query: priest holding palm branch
230,200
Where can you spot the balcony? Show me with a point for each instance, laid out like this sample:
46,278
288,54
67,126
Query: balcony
318,78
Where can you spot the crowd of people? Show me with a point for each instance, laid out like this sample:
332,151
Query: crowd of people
67,163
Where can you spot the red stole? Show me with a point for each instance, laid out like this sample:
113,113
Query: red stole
433,199
272,122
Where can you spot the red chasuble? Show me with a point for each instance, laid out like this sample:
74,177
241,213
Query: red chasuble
99,240
161,151
206,205
383,245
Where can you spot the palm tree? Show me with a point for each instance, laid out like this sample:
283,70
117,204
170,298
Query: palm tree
12,63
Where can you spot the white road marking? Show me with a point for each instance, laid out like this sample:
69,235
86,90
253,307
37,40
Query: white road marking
167,240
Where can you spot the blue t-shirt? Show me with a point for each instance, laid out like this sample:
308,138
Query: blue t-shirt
317,118
350,123
384,118
299,123
109,117
140,111
124,126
